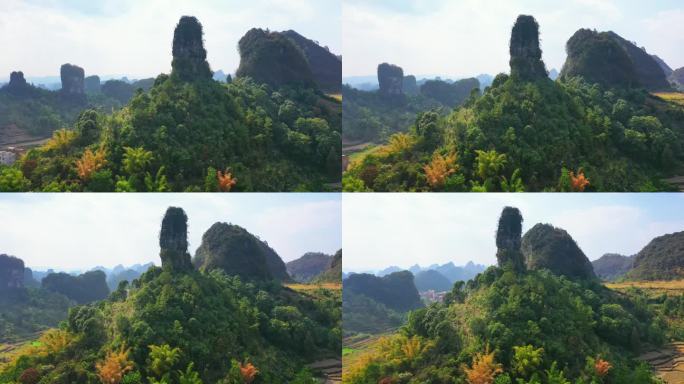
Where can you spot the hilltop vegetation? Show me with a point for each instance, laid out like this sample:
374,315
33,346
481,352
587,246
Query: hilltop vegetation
374,116
191,133
612,266
516,325
176,324
529,133
661,259
307,267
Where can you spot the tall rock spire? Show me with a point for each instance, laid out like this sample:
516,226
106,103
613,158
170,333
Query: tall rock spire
173,241
526,62
390,79
189,56
508,239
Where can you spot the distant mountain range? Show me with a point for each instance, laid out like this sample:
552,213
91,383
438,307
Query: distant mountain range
449,270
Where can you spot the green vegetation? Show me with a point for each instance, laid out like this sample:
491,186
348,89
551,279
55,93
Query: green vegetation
661,259
514,325
529,133
26,311
85,288
190,133
179,325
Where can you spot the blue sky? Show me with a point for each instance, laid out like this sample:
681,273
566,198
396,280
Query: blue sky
81,231
380,230
460,38
134,37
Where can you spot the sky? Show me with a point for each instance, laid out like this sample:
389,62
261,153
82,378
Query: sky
460,38
381,230
80,231
134,37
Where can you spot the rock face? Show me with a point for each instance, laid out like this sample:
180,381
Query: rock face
677,77
526,62
508,241
325,67
409,85
663,65
547,247
608,59
237,252
397,290
598,59
612,266
310,265
271,58
73,79
11,273
173,241
390,79
17,83
92,84
333,274
189,56
661,259
648,71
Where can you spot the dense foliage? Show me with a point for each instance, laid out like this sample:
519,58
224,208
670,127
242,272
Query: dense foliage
548,247
396,290
197,136
26,311
333,273
661,259
85,288
169,324
361,314
612,266
235,251
507,327
310,265
532,136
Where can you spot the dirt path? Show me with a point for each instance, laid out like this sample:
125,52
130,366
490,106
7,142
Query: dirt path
330,368
668,362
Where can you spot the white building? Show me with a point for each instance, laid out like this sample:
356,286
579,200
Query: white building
7,158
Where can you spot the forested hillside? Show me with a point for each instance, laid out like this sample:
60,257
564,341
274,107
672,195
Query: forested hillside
190,133
529,133
176,324
512,324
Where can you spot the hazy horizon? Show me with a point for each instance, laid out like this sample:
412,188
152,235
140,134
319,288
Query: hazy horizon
383,230
466,38
71,232
135,38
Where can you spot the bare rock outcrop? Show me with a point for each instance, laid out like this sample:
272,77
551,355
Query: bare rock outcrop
526,62
11,273
73,79
391,79
189,56
508,239
173,241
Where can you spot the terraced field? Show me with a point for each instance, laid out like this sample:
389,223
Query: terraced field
675,97
668,362
674,287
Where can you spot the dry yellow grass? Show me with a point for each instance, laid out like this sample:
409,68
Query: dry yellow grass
336,96
311,287
674,97
670,287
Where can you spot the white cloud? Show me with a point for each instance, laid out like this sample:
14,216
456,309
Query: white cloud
135,37
468,37
84,230
380,230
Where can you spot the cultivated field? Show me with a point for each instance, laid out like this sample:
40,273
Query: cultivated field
675,97
312,287
674,287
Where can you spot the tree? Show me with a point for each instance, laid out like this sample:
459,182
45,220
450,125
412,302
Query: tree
440,168
136,160
190,376
484,369
248,372
579,182
226,181
162,359
114,366
90,162
13,180
489,163
61,140
526,359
